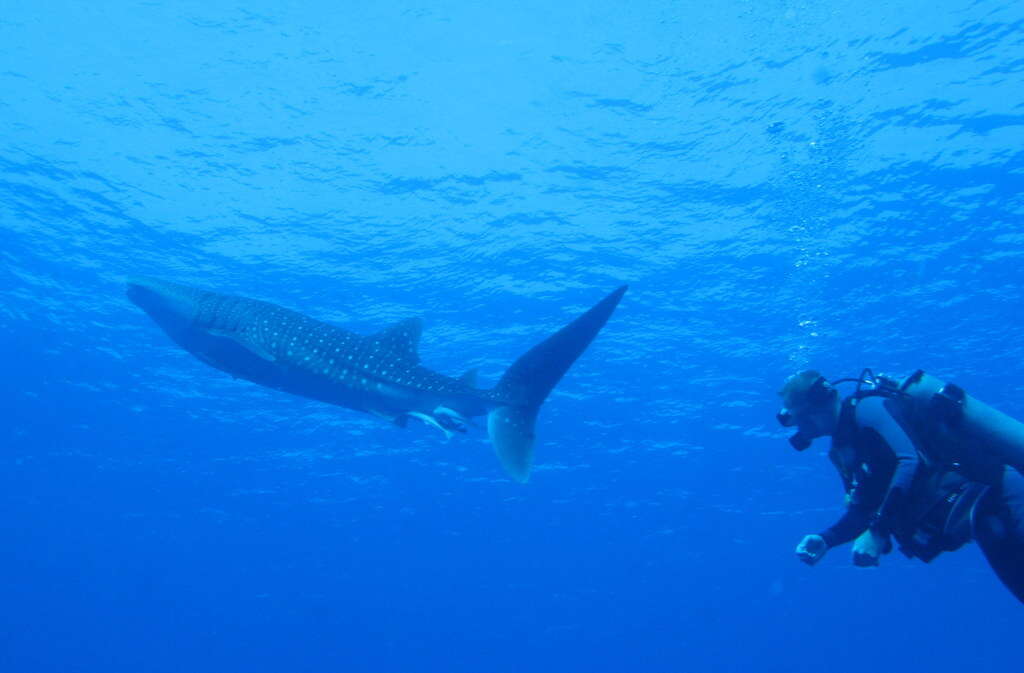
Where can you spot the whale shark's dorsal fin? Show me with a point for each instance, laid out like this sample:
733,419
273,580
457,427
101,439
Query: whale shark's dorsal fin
469,378
402,339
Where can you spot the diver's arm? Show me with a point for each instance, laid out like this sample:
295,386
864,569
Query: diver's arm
871,413
854,521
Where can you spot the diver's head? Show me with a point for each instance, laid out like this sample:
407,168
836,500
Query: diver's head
810,404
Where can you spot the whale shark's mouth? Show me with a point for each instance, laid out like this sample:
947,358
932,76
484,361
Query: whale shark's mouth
136,291
140,293
162,301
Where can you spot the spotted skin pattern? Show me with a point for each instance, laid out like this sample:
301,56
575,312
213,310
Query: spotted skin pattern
379,374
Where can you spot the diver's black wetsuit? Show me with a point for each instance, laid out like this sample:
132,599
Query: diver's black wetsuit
887,482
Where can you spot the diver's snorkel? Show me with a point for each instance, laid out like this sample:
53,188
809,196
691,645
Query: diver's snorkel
799,441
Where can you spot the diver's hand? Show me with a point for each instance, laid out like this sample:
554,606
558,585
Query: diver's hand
869,547
811,549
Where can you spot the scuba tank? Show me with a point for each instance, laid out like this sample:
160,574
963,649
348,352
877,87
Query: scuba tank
962,434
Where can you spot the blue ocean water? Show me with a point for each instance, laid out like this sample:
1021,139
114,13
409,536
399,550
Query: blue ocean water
782,183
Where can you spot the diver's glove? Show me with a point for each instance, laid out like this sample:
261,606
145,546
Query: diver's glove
869,547
811,549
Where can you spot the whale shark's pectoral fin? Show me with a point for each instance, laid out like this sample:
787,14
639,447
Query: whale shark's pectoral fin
251,347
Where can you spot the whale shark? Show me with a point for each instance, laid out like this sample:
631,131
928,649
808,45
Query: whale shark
378,373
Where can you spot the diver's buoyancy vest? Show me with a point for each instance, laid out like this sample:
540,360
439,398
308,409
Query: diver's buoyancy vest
945,522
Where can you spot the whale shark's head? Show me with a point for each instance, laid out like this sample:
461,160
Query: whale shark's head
169,304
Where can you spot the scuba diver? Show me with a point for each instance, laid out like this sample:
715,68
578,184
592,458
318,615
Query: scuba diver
921,462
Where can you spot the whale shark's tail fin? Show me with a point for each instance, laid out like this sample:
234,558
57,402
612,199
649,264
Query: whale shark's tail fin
526,385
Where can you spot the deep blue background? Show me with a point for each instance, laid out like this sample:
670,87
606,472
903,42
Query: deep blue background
783,184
